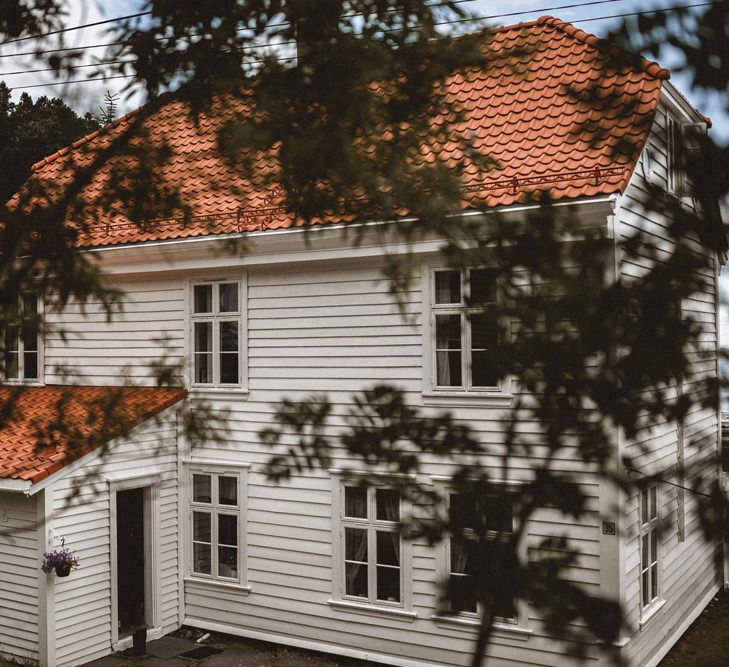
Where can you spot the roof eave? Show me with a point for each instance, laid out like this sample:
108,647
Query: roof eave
8,485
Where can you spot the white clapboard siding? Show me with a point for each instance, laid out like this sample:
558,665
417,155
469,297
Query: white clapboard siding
83,600
689,572
19,576
336,330
149,326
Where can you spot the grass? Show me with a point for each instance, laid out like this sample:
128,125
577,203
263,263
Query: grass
706,643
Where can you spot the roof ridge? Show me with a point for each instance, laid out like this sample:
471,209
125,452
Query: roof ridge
641,63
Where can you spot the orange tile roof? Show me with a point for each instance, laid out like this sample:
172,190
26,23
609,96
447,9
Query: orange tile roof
43,429
525,111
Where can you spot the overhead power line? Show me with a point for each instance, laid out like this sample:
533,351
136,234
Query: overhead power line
475,18
76,27
454,21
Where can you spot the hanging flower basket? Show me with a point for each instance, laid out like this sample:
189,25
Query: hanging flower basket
62,561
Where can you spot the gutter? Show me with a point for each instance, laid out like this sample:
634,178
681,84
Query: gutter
15,486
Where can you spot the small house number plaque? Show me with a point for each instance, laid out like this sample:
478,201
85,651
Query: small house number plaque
608,528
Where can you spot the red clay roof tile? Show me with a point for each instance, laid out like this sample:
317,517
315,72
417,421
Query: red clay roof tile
552,108
43,429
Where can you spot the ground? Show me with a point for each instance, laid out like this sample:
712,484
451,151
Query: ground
706,644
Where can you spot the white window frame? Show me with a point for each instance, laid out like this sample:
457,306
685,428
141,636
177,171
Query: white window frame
215,509
650,529
371,606
215,317
21,379
432,392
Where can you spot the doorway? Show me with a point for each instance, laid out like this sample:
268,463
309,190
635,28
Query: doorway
131,562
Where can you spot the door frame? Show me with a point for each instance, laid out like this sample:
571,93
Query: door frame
150,514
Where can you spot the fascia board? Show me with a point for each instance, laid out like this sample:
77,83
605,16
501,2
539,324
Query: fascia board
301,245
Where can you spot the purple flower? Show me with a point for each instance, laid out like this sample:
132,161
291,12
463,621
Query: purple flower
59,557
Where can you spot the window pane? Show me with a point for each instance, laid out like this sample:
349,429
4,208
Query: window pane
448,369
201,489
652,514
448,355
229,336
203,299
355,547
504,603
462,511
30,336
203,352
645,558
447,287
388,505
388,548
483,286
201,527
388,584
30,304
646,589
462,594
227,529
229,368
484,337
11,365
228,562
355,502
654,547
463,557
356,580
499,514
30,365
203,336
201,559
204,368
643,506
228,298
228,491
654,582
448,332
12,338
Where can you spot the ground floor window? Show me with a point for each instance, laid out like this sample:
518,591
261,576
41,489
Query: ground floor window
372,549
485,530
649,547
215,503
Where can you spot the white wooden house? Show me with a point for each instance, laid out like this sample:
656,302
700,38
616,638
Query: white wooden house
225,550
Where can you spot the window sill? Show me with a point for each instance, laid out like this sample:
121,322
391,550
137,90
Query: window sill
231,586
500,629
373,610
226,393
649,613
467,398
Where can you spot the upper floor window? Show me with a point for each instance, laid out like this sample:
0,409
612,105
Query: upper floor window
217,358
22,340
649,547
464,330
683,146
468,559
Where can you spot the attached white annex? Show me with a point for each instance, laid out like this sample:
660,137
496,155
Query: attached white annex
171,532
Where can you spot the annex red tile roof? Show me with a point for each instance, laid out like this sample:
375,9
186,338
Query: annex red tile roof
43,429
531,110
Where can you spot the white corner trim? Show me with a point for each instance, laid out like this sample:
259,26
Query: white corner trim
373,610
308,644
